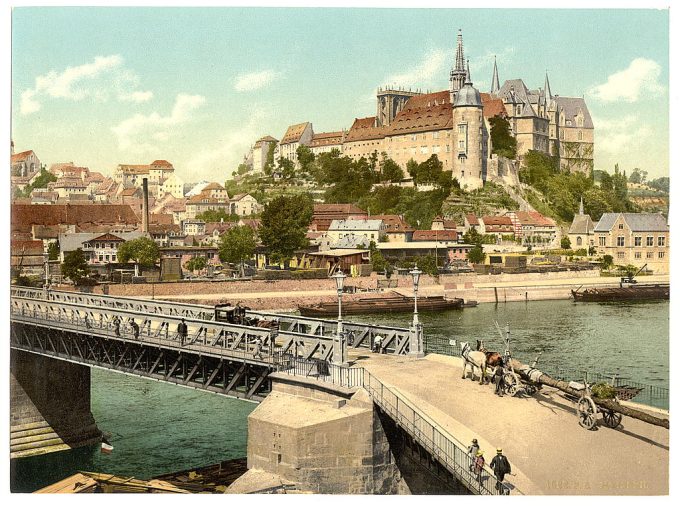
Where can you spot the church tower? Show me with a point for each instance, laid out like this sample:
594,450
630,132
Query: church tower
458,73
495,85
469,136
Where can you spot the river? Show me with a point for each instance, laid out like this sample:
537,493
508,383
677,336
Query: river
159,428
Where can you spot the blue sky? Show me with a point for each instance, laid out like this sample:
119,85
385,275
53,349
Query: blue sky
102,86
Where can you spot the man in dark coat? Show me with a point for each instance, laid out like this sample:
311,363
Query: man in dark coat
182,331
501,467
498,380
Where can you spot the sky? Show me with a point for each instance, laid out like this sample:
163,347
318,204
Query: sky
198,86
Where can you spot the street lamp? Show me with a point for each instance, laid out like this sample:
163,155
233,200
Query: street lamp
416,331
339,348
415,273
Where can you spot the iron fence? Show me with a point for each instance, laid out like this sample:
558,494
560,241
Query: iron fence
321,370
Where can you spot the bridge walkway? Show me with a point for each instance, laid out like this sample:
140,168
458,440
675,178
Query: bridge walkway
550,453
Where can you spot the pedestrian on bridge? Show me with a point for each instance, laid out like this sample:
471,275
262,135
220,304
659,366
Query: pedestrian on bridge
182,330
479,466
377,344
472,452
258,348
135,328
501,467
116,324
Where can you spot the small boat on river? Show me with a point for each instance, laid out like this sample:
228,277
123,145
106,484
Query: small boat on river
395,303
629,292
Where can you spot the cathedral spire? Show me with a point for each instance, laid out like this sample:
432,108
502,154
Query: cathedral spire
468,79
457,75
495,86
548,94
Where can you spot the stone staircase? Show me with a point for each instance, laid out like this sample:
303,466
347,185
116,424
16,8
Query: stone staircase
38,437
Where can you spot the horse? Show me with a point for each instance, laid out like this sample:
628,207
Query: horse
474,359
493,358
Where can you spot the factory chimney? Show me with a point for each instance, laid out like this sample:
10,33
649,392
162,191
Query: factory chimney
145,206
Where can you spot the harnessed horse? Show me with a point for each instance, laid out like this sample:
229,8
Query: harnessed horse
473,359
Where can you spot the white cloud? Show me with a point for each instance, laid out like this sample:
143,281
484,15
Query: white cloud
99,79
221,158
622,136
255,80
428,71
628,85
138,132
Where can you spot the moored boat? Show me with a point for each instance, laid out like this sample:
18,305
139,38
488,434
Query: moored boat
391,304
630,292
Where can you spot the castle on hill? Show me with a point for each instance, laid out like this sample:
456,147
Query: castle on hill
454,124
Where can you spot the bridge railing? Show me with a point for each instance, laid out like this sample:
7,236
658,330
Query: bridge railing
444,447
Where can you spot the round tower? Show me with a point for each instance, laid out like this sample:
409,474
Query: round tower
469,136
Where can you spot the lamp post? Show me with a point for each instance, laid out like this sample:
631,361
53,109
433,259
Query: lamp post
340,350
416,344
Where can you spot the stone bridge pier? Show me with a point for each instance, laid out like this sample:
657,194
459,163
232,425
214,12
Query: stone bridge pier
49,405
328,439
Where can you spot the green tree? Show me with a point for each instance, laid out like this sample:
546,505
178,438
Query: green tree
74,266
284,223
380,264
269,160
412,168
662,184
196,263
286,167
142,251
391,171
237,246
638,176
242,169
305,158
607,261
428,264
476,255
53,250
215,215
472,237
502,140
565,243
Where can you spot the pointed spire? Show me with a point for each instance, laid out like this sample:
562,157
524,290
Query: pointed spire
580,207
548,94
468,79
459,51
495,86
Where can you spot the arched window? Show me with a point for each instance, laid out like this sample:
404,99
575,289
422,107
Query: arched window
579,241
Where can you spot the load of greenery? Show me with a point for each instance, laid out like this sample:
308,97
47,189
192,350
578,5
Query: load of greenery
215,215
237,246
39,182
197,263
476,255
284,224
557,194
74,267
504,143
142,251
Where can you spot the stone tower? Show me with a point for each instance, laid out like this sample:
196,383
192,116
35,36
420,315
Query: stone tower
469,136
391,101
458,73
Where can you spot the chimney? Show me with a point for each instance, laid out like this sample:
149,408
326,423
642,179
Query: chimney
145,206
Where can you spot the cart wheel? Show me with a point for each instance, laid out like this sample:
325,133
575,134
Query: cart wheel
511,383
611,419
587,412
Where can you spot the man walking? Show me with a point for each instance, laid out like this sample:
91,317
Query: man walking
472,452
498,380
479,466
182,331
501,467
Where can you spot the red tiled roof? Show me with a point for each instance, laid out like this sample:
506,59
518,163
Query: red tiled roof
472,219
26,247
107,237
431,111
266,138
211,226
435,235
213,186
24,216
161,228
17,157
129,192
394,222
161,219
492,106
326,139
364,129
496,220
294,133
534,218
164,163
134,169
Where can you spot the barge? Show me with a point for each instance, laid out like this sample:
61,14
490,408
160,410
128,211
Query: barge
630,292
396,303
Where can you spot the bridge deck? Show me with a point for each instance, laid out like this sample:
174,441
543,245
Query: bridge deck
549,452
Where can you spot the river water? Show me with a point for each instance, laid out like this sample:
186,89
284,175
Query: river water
159,428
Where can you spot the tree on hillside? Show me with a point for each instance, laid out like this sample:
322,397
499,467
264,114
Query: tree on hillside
269,160
412,168
502,140
74,266
305,158
390,171
242,169
638,176
237,246
142,251
662,184
284,224
286,167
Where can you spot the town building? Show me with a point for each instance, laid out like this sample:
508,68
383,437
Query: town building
582,230
244,204
24,164
397,230
296,135
324,214
98,248
499,226
364,231
534,228
635,239
326,142
261,151
174,185
193,227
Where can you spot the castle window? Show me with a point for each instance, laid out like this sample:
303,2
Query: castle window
638,241
435,135
661,241
580,135
638,254
662,254
603,241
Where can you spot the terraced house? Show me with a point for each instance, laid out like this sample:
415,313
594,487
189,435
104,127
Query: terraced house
635,238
